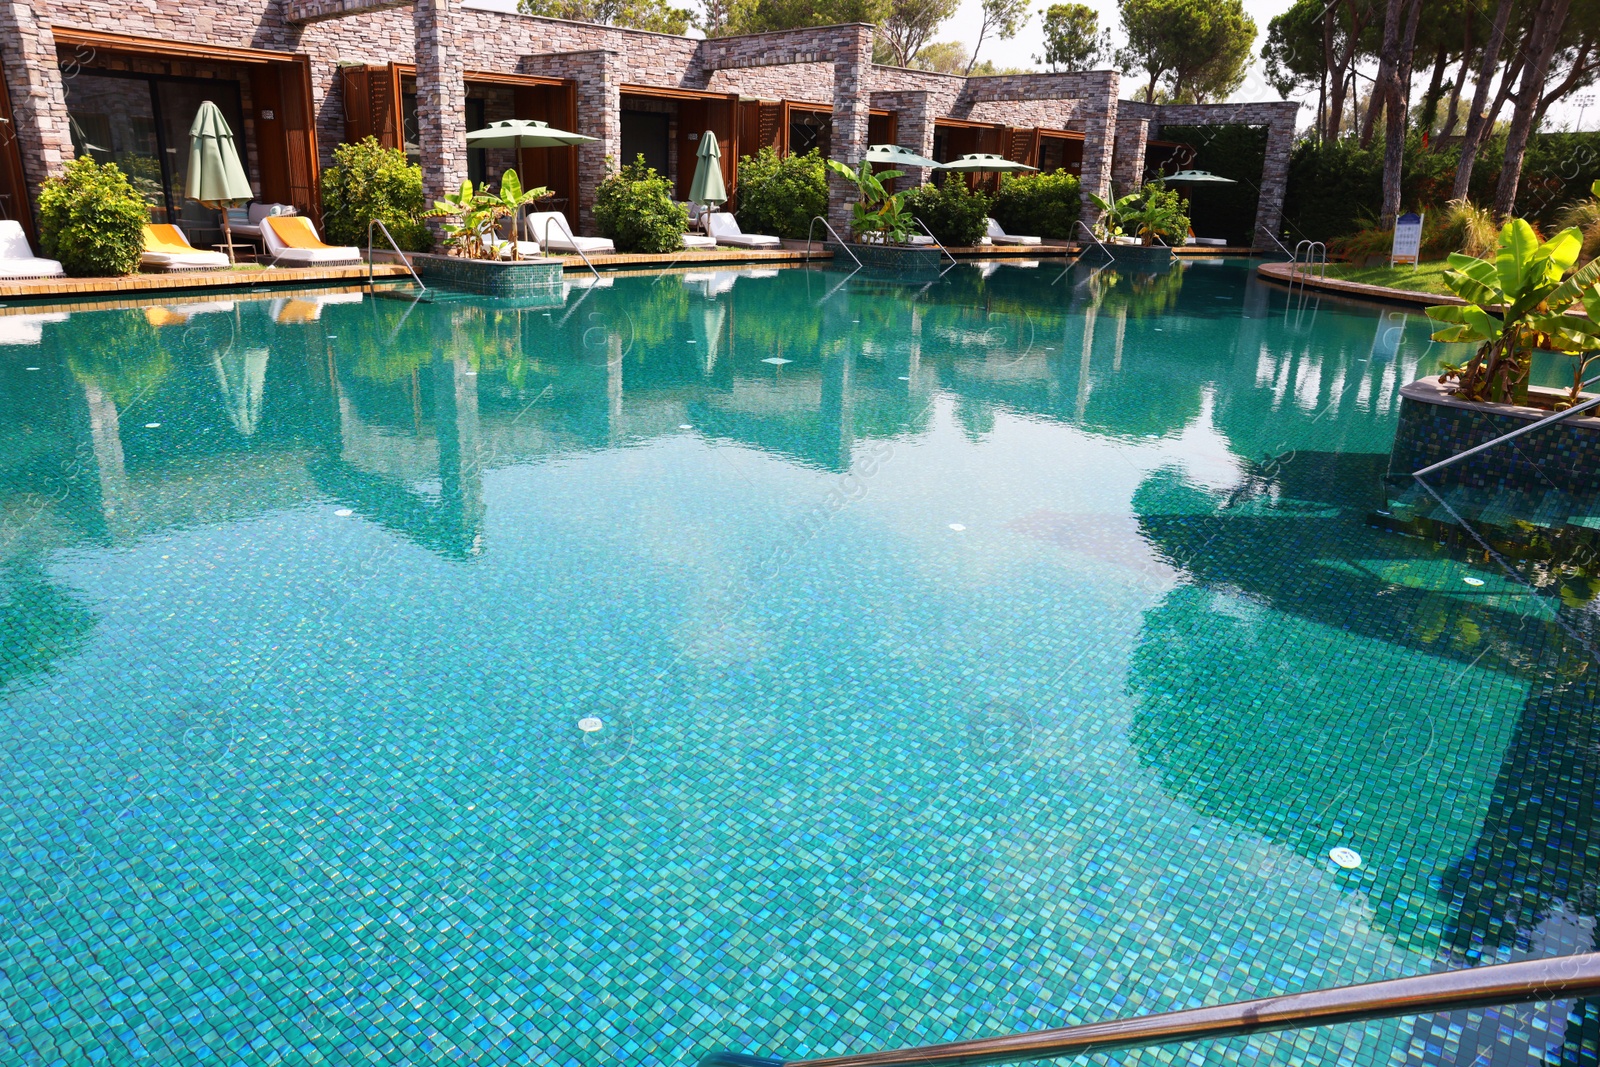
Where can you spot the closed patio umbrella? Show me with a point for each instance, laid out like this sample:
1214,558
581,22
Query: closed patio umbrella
707,187
216,178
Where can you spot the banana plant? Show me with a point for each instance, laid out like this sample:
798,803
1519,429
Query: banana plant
506,204
1509,304
1576,336
1113,213
474,235
876,209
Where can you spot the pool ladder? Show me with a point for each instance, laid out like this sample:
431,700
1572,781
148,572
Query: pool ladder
405,260
1559,978
1316,259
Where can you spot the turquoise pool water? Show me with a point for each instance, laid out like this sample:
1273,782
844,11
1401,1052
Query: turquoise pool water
768,661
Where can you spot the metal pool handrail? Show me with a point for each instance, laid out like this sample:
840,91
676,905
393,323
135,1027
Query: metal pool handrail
390,238
812,228
575,247
1110,258
1507,983
936,242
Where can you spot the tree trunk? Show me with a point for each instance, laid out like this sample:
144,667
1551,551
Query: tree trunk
1454,109
1430,99
1477,121
1327,65
1392,88
1542,40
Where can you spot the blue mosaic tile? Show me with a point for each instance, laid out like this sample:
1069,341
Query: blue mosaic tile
463,682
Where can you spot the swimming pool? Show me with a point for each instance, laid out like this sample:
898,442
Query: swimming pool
774,661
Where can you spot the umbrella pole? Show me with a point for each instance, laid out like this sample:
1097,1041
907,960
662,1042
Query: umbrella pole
227,235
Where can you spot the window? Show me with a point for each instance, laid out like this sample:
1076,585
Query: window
141,123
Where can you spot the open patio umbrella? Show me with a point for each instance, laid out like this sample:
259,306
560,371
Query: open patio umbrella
984,161
523,133
895,156
707,187
216,178
1198,176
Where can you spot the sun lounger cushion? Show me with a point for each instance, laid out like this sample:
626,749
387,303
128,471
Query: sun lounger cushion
292,239
1001,237
722,226
166,247
698,240
550,228
251,226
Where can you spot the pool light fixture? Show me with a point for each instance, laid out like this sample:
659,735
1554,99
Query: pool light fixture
589,724
344,513
1348,858
1473,581
957,527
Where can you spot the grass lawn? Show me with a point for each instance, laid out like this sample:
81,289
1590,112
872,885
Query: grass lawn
1424,278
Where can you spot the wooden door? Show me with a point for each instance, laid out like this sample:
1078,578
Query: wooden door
14,203
300,137
554,168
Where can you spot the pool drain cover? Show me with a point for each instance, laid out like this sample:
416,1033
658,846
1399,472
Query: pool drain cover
1348,858
589,724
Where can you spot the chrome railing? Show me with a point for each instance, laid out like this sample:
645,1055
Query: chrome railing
404,259
545,244
1110,258
812,229
1527,981
1316,257
934,239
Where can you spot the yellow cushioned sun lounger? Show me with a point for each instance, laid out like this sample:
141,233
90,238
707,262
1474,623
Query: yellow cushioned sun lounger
293,240
166,248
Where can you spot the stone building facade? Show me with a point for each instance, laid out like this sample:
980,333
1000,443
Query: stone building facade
45,43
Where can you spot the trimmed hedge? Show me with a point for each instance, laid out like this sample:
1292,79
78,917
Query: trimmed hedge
92,219
954,213
1043,205
780,195
636,210
368,181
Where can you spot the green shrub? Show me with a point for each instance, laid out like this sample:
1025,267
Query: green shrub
92,219
955,214
780,195
1044,205
368,181
636,210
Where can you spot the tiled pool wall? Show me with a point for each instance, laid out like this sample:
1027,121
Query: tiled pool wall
533,278
1564,456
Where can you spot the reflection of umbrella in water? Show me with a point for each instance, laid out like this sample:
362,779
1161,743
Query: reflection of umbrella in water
707,329
216,178
242,377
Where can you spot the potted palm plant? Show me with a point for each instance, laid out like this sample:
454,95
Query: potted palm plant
478,257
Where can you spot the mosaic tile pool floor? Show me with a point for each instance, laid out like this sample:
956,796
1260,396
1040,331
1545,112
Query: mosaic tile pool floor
991,655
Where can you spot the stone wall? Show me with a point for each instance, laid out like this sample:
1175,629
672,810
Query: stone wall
33,79
916,118
597,78
1279,119
812,82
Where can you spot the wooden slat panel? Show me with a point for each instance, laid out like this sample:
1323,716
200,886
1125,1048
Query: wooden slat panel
68,36
299,138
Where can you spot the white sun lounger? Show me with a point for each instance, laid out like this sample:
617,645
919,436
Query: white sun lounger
17,259
166,247
1001,237
550,229
724,228
293,241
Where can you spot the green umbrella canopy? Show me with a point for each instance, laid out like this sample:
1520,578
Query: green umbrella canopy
523,133
1197,176
707,187
894,155
216,178
982,161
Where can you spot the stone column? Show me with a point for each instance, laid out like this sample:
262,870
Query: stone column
1274,175
1099,111
1127,166
34,82
599,116
914,127
852,63
441,98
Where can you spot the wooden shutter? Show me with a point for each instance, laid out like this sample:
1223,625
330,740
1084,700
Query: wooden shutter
300,138
13,184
